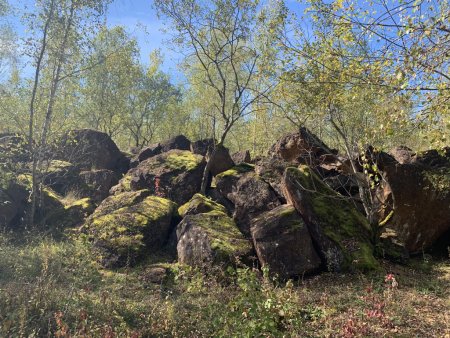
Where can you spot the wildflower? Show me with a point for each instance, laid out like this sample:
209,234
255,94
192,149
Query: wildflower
391,281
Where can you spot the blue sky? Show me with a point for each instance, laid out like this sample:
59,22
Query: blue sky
140,20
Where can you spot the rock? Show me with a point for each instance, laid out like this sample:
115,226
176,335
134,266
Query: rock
283,243
271,170
78,211
179,142
220,161
226,180
99,182
150,151
301,147
176,175
61,176
241,157
402,154
92,150
414,200
13,203
200,204
210,239
341,234
202,147
126,226
251,197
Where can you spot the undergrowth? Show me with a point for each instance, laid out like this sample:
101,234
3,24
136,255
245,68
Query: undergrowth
55,288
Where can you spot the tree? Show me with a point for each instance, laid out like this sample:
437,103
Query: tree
58,30
110,82
220,53
413,37
149,102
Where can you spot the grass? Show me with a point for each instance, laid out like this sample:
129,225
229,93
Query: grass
56,288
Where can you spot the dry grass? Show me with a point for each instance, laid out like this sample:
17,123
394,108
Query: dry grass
50,288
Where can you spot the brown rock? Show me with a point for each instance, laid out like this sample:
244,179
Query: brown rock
283,243
176,175
341,234
414,199
301,147
241,157
251,197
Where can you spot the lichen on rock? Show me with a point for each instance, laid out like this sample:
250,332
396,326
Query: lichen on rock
210,238
127,225
342,234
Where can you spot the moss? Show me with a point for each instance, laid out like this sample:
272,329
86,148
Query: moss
439,178
84,203
183,160
200,204
226,239
56,165
128,224
338,219
238,170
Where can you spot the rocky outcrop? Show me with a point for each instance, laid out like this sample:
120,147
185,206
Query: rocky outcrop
251,197
91,150
341,234
126,226
414,199
302,147
210,238
176,175
283,243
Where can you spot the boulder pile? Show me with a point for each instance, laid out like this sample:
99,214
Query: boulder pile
295,211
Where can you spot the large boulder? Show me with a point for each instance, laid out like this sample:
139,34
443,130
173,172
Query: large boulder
227,180
283,243
211,238
220,160
271,170
200,204
126,226
179,142
251,197
13,203
302,147
176,175
202,147
92,150
98,183
150,151
413,198
341,234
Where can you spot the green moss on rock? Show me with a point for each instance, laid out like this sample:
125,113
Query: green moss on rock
127,225
237,171
211,237
200,204
333,218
